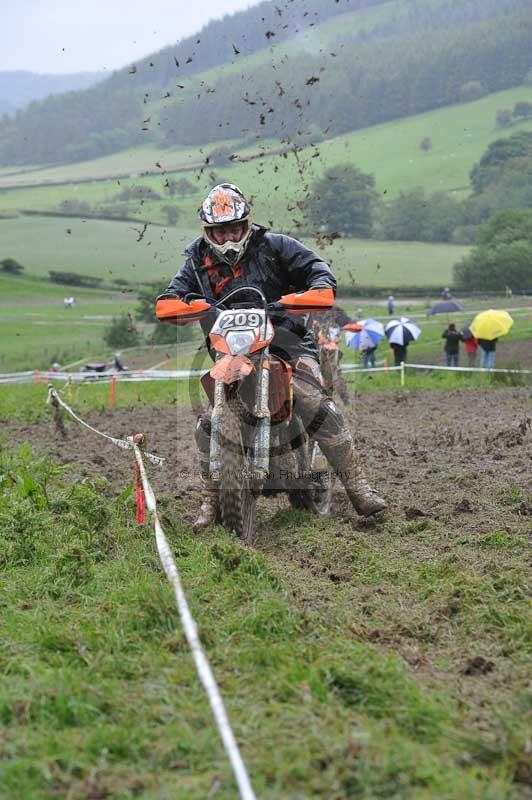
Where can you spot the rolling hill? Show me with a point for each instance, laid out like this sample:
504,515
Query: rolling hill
287,72
19,88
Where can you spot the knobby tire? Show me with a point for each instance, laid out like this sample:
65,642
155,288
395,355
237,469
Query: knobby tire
237,500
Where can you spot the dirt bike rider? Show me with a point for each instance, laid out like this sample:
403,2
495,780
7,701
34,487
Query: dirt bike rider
232,252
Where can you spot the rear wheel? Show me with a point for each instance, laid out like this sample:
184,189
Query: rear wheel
237,499
317,494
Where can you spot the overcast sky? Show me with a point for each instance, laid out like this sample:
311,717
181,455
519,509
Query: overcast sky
90,35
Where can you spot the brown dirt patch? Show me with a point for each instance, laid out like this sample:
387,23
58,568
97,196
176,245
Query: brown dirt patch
441,455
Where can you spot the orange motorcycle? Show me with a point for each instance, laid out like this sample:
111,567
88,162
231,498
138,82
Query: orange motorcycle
258,445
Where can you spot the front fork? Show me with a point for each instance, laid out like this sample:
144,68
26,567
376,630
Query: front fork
261,450
215,464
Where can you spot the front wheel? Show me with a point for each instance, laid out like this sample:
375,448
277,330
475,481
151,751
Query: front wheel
237,498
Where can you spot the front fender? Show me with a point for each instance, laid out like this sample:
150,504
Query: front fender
229,369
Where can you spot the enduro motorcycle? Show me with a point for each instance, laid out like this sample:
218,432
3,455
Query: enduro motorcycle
103,367
258,445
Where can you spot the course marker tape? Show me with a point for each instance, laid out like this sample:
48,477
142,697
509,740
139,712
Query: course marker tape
468,369
184,374
53,397
189,626
354,368
191,632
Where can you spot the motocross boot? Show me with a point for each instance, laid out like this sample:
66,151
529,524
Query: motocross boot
208,513
340,452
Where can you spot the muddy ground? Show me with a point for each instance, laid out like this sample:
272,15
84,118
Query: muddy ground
456,469
448,455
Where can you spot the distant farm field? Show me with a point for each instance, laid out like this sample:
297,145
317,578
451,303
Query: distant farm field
36,329
94,247
112,250
459,134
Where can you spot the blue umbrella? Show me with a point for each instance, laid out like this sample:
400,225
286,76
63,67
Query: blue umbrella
369,336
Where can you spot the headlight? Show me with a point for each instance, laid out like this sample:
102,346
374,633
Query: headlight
239,341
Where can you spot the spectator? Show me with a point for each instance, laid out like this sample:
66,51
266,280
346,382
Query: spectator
446,294
452,345
358,314
390,305
399,353
471,347
487,353
368,356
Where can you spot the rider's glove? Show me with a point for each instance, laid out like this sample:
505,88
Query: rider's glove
315,299
173,309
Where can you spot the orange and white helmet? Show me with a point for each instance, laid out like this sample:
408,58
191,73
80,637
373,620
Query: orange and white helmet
225,204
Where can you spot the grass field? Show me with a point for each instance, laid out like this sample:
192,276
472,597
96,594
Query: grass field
100,248
129,163
388,662
460,134
110,250
36,329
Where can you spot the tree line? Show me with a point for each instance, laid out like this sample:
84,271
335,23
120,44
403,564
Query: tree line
358,87
497,216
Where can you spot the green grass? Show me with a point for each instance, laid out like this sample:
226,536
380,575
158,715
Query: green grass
460,134
36,329
128,162
94,247
100,697
110,250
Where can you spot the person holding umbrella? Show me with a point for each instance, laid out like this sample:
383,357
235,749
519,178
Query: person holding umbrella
487,327
400,333
366,337
399,353
487,353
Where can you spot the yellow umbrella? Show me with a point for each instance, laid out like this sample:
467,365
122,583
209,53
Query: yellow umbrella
491,324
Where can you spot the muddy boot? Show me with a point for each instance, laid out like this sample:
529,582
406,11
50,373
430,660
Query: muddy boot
340,453
208,513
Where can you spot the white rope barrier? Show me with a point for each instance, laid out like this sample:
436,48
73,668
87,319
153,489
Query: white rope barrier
189,626
100,377
354,368
125,444
191,632
467,369
134,376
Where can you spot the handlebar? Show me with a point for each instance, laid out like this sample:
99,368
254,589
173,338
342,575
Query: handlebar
220,304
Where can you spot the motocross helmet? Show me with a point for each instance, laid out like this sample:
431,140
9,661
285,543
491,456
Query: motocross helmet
225,204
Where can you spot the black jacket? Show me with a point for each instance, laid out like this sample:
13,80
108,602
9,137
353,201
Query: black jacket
452,342
274,263
488,345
